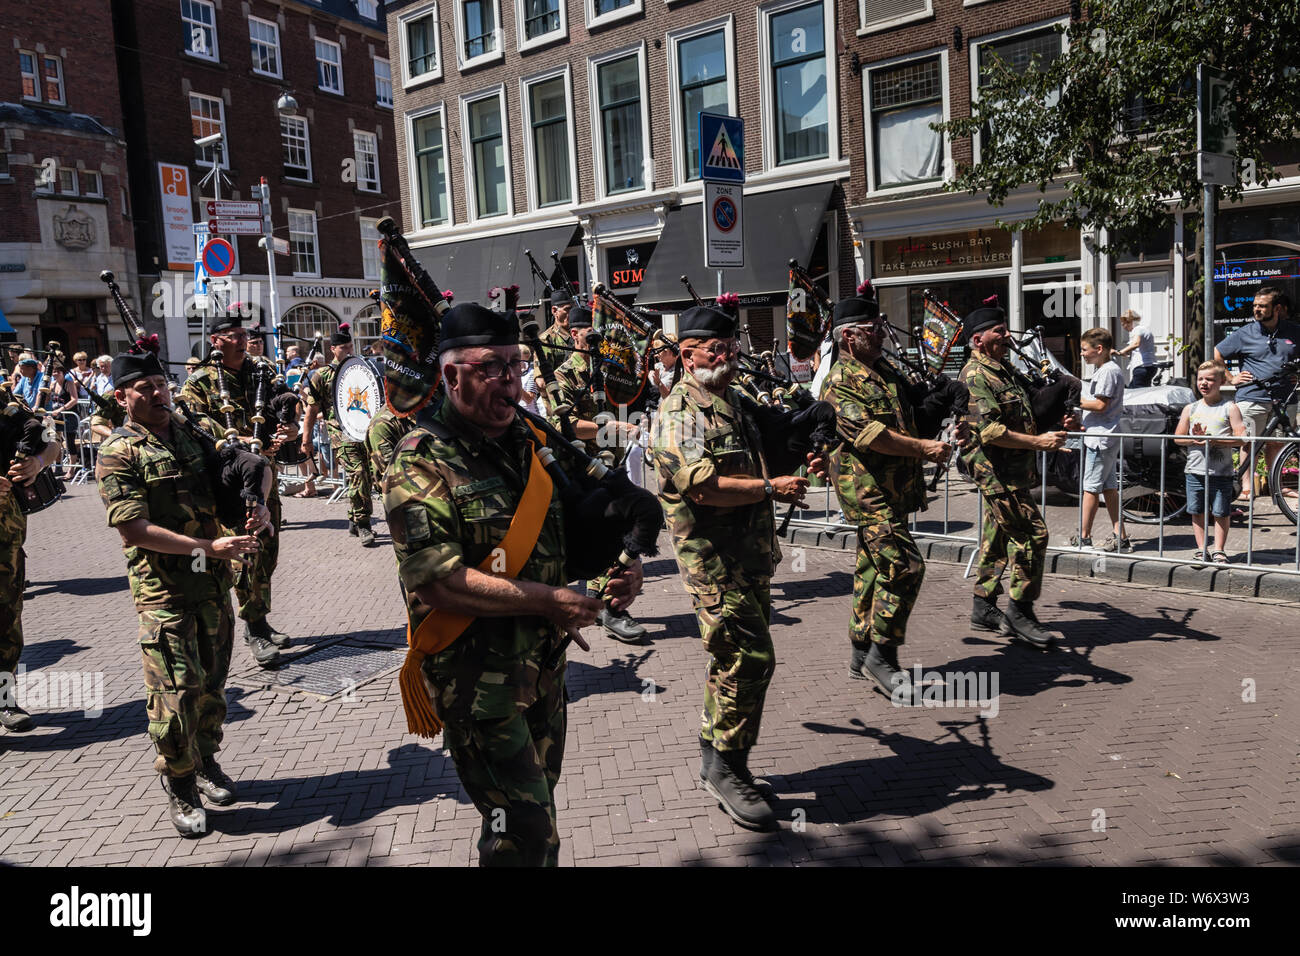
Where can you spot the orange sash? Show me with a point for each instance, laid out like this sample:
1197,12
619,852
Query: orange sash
440,628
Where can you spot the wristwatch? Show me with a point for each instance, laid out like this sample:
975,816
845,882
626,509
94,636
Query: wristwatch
768,490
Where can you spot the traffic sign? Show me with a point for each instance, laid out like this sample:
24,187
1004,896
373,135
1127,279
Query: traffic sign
233,209
724,237
200,228
236,227
722,146
218,257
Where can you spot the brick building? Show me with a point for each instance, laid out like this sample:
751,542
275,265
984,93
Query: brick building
570,125
301,92
63,197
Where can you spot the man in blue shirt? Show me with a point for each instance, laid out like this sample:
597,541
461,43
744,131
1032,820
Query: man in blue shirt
1263,347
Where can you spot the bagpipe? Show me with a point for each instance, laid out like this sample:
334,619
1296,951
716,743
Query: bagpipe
808,313
623,361
24,435
274,398
1053,391
235,472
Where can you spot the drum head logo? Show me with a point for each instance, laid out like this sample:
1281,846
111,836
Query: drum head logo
357,398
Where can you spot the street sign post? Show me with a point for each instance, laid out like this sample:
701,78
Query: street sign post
233,209
722,148
724,236
235,227
1216,165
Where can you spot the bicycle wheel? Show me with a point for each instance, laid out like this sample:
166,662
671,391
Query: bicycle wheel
1285,477
1144,500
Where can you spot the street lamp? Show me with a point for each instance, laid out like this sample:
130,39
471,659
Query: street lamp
286,105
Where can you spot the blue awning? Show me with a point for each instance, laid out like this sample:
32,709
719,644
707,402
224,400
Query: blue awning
4,323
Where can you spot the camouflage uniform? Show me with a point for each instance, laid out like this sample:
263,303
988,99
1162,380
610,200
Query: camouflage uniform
554,336
382,439
726,555
1013,531
877,492
351,455
13,561
186,630
450,495
202,393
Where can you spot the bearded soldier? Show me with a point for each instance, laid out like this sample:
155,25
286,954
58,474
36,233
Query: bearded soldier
351,455
158,490
717,496
1001,458
202,394
877,473
464,488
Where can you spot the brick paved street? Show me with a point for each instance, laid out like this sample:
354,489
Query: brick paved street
1130,744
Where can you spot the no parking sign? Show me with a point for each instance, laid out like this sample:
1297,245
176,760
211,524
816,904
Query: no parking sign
724,239
218,257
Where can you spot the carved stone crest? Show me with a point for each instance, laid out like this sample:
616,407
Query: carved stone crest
73,229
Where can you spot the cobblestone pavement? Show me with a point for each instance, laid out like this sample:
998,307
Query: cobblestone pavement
1164,729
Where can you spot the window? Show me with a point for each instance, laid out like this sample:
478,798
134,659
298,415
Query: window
488,156
383,83
548,115
368,9
27,67
52,79
4,167
329,66
903,101
365,149
199,21
1020,53
799,84
42,77
68,182
420,56
296,145
126,202
92,184
882,14
430,169
601,12
207,116
302,243
369,249
264,43
702,87
540,21
622,138
476,21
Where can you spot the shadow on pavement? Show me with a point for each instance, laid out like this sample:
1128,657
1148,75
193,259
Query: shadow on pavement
583,680
37,653
82,587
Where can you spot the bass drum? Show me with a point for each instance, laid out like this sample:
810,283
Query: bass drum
358,397
44,490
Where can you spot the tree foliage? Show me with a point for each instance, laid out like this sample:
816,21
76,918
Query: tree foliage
1112,121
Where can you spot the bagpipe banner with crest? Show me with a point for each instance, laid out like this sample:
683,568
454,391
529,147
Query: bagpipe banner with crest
411,305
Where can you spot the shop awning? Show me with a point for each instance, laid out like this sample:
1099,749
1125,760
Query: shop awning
779,226
5,327
469,269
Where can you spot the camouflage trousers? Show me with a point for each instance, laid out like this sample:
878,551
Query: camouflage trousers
354,461
736,632
13,568
253,580
1013,534
509,766
886,584
186,654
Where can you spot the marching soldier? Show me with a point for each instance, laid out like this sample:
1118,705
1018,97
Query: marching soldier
557,333
718,498
464,487
18,420
575,381
386,431
878,479
158,493
1001,457
351,455
202,394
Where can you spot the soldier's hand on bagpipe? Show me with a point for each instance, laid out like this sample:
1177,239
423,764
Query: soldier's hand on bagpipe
24,470
259,520
1053,441
572,610
235,546
790,489
936,451
623,588
818,464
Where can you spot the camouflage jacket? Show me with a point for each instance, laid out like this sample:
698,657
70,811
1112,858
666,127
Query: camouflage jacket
13,523
574,380
867,400
556,336
382,438
698,435
202,393
114,416
450,494
998,404
166,482
320,392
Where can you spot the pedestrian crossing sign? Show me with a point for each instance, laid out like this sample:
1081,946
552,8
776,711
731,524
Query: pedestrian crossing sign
722,143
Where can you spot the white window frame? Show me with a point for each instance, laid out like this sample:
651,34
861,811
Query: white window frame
973,52
70,173
360,136
429,10
279,53
369,9
189,25
222,149
375,61
597,132
315,243
530,159
767,95
369,250
868,131
37,82
498,38
467,151
678,130
306,140
98,190
412,163
865,30
40,67
339,65
561,33
603,19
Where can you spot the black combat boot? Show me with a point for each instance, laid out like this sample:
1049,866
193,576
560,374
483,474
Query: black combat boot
857,661
213,783
277,636
14,718
258,637
984,614
729,781
621,626
1023,623
186,807
881,663
707,753
365,534
352,529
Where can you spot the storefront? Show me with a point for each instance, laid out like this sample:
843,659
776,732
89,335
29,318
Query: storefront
1256,247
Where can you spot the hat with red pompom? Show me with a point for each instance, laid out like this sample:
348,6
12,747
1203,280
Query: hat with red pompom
343,336
986,316
861,307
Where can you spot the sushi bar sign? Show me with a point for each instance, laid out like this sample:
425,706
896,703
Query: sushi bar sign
627,265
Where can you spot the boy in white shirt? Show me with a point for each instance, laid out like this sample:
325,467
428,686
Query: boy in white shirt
1141,339
1102,402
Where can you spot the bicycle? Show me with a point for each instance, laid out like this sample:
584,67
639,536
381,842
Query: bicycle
1282,474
